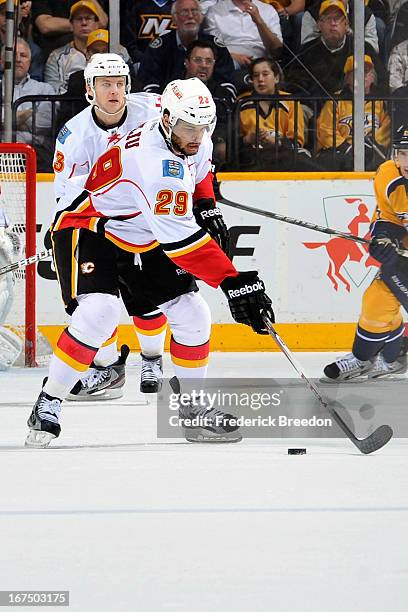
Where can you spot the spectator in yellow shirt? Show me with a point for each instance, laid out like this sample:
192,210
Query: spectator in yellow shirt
270,122
336,150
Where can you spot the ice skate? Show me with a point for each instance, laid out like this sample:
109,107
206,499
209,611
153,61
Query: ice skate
151,378
102,383
345,369
202,424
383,369
43,421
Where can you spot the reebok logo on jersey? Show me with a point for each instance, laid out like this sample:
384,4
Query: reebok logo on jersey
173,168
64,134
246,290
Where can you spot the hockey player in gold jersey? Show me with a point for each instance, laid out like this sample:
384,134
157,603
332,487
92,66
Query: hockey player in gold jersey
379,347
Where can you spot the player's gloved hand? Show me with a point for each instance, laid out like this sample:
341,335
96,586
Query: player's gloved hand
383,249
210,218
248,301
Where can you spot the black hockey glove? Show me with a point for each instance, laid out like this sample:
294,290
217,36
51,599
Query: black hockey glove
383,249
209,217
248,301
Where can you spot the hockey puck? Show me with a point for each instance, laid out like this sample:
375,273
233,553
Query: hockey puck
296,451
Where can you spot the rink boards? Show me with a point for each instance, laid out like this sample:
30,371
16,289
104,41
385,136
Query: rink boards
315,281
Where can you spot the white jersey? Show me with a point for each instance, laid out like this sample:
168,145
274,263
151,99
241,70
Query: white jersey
83,138
139,194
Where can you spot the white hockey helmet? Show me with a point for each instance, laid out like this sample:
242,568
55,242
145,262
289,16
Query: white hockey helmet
189,100
105,65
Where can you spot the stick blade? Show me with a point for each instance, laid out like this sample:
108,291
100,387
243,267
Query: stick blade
376,440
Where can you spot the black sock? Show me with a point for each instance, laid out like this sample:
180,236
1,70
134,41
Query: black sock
392,346
367,344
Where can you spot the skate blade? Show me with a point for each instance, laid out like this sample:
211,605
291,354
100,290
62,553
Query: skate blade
398,375
38,439
356,380
203,435
98,396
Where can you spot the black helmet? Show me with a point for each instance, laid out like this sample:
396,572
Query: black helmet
400,140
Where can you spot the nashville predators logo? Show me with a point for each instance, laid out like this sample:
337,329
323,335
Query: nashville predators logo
154,26
347,121
87,267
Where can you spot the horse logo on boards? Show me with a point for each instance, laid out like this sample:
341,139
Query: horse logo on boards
342,252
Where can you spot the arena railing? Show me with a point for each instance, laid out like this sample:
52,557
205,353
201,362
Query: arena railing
312,106
43,140
42,137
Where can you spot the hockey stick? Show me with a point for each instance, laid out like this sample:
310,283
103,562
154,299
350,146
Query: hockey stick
299,222
373,442
26,262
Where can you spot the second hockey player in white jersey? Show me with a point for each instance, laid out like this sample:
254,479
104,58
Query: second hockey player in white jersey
138,199
112,113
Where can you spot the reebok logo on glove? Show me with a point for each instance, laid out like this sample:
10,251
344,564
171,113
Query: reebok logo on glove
211,212
246,289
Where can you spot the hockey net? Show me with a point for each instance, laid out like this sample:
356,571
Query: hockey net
18,168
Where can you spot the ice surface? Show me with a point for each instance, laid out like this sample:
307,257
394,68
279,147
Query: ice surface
126,522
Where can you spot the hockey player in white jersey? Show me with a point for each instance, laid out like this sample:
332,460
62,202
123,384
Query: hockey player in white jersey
112,113
128,209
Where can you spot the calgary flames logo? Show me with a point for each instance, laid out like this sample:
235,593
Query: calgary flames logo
87,267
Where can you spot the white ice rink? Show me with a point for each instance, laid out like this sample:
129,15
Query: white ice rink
128,523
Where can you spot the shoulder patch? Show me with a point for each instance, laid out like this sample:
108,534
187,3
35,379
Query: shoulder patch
173,168
63,134
156,43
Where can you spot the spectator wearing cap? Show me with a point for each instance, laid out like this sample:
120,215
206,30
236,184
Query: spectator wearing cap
36,132
248,28
164,58
335,124
310,29
71,57
319,67
97,42
52,27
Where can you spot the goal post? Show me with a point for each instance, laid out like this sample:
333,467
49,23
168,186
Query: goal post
18,175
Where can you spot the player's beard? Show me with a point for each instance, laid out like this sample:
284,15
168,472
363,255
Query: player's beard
179,149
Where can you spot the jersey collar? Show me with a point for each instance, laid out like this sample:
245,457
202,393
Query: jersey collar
109,127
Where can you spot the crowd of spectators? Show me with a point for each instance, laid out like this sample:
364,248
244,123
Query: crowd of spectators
281,71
